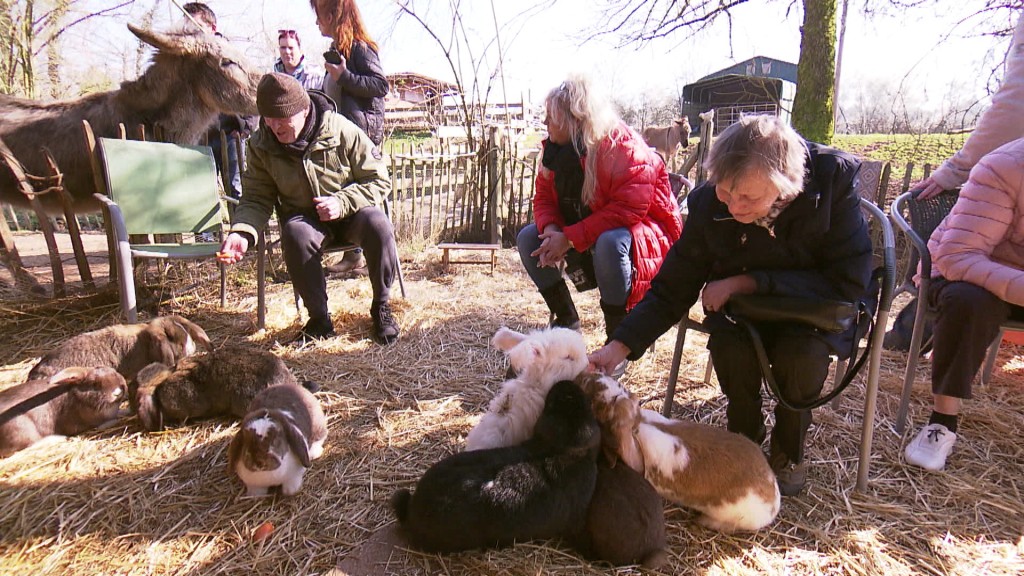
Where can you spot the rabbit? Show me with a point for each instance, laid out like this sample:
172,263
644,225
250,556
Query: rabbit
541,358
126,347
70,402
626,519
282,433
539,489
218,383
721,474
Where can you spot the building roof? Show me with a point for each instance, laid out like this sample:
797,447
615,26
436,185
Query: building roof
414,80
758,66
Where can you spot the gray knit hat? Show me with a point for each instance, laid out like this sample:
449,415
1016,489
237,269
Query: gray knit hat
280,96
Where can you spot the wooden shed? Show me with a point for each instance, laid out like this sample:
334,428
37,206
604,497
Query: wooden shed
760,85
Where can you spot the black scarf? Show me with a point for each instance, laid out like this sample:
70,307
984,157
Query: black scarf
563,160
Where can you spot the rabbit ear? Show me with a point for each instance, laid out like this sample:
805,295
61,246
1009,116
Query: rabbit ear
160,346
234,452
525,355
505,339
70,375
625,423
296,440
195,331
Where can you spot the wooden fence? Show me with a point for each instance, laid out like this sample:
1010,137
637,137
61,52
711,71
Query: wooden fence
449,193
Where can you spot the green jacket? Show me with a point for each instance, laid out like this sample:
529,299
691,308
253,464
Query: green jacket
341,162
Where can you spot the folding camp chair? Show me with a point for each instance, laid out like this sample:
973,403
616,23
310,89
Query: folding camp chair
158,188
875,336
918,219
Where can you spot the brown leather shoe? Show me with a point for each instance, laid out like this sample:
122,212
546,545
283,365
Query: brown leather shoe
351,261
791,476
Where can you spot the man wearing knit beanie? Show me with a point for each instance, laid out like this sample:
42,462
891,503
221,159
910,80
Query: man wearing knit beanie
326,179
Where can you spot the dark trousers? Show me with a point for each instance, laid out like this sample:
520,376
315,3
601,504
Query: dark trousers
967,320
799,359
303,237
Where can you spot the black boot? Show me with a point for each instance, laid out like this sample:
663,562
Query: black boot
560,303
613,316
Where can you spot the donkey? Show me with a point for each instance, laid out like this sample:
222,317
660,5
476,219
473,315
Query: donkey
193,77
667,139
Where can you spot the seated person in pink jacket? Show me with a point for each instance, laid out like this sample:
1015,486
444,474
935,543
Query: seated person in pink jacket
978,256
603,206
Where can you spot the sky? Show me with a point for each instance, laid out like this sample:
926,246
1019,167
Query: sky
907,49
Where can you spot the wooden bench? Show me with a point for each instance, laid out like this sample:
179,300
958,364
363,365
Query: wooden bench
446,247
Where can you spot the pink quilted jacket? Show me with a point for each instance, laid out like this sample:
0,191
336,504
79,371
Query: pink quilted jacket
981,241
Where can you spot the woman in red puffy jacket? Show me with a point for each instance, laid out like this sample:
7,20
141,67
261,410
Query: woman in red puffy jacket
603,206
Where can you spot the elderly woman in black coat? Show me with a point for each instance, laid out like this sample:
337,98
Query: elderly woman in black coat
778,215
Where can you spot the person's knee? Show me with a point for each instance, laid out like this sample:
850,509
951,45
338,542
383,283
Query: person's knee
961,298
612,245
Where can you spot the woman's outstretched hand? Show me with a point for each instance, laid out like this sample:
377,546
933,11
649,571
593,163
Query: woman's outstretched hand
607,357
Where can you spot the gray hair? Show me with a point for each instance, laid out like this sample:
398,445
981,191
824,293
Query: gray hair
589,118
763,143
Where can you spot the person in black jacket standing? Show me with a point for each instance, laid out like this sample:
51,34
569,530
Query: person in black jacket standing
778,215
355,80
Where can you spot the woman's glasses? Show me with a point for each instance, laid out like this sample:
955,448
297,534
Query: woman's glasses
286,34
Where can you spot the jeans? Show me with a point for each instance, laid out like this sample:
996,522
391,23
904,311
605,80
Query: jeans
234,173
612,265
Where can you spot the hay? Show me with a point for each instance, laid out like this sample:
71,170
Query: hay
121,501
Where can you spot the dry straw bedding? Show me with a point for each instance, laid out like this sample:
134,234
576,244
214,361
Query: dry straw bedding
122,501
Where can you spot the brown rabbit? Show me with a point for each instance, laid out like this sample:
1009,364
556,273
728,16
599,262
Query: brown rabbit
283,432
126,347
721,474
625,520
73,401
219,383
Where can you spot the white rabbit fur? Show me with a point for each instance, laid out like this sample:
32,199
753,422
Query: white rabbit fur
540,359
721,474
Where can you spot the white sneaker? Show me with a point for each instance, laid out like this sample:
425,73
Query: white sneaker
930,447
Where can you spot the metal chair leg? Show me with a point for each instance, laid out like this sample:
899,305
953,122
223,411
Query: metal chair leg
673,375
990,358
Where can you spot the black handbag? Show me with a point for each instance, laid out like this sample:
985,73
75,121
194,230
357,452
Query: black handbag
827,315
831,316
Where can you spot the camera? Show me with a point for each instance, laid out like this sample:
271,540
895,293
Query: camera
332,56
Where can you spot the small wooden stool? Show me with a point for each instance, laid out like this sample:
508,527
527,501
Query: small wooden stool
445,259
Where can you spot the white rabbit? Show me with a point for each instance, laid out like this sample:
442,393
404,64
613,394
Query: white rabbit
540,359
721,474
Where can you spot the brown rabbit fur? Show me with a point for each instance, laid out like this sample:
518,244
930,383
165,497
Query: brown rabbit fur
282,433
126,347
719,473
71,402
218,383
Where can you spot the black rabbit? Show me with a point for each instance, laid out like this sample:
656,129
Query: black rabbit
540,489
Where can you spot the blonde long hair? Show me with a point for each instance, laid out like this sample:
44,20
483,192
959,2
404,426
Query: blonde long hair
589,118
346,24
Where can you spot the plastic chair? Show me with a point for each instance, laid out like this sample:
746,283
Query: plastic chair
918,219
158,188
261,277
881,318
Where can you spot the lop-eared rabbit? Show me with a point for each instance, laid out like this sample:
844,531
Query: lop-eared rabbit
539,489
126,348
719,473
219,383
282,433
540,359
70,402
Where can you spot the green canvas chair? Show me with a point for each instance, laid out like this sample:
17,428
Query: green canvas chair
160,189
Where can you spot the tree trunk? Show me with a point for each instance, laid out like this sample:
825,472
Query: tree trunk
812,106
